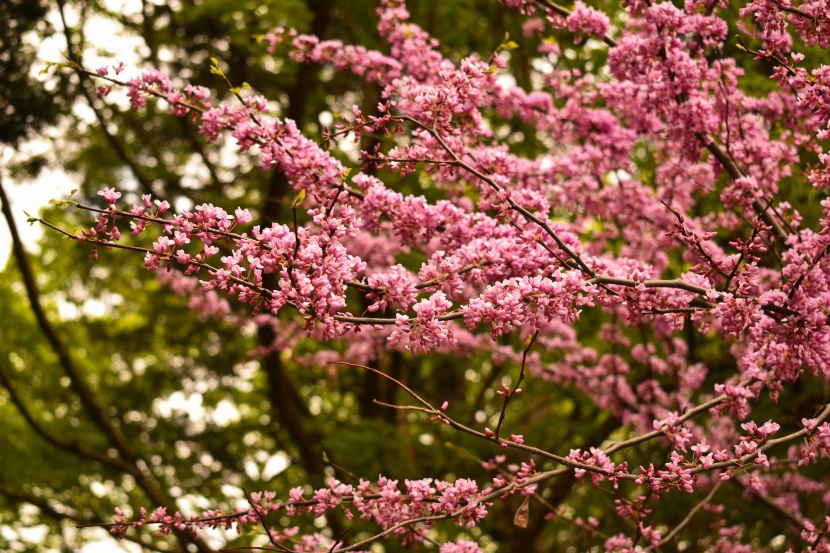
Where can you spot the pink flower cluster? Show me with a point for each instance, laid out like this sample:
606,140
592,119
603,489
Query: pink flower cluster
524,243
809,18
383,502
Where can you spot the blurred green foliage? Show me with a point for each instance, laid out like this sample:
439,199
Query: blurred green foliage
145,355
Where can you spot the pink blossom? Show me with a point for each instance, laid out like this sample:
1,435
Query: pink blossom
110,195
642,221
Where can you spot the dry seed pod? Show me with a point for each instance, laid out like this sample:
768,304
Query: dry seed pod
522,514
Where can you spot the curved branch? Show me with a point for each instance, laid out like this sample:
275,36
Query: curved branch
89,400
692,512
70,446
83,76
657,433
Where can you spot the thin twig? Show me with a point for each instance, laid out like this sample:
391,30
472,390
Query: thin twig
509,396
259,514
692,512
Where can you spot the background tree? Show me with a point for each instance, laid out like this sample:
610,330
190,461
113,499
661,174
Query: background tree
118,419
149,372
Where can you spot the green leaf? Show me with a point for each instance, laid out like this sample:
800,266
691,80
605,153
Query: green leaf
214,67
508,44
299,199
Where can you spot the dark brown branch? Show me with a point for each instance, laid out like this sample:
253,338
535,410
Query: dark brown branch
565,12
735,173
89,400
87,396
70,446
